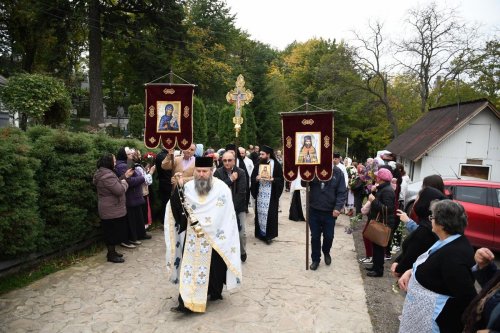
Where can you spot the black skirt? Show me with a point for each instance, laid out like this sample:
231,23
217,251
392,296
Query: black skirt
115,230
296,213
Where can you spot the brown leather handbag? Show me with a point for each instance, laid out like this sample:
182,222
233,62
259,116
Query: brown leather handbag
378,231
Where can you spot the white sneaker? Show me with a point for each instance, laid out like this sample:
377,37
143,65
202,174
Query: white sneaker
135,242
366,260
128,246
395,249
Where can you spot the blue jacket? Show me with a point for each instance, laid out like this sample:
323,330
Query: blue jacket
330,195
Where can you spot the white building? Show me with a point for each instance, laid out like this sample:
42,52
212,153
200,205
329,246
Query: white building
455,140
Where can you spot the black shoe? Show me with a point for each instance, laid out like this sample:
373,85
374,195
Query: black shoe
314,265
244,257
268,241
180,309
118,254
374,274
328,259
146,236
115,259
370,269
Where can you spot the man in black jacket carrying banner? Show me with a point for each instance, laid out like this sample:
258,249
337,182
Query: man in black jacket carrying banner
326,200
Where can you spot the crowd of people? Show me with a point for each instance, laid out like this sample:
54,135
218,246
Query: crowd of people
205,197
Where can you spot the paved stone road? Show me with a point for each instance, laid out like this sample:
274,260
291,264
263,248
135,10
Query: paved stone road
277,294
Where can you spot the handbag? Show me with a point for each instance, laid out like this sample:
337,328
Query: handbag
377,231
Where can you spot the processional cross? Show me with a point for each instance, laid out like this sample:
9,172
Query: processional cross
239,96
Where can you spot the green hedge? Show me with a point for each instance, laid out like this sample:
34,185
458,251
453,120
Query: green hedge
47,199
20,223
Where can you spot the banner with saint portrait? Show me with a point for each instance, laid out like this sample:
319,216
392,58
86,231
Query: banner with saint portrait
307,145
169,115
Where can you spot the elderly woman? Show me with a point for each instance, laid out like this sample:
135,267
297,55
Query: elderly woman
111,204
382,201
441,284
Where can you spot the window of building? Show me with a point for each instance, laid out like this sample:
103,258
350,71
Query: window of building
475,171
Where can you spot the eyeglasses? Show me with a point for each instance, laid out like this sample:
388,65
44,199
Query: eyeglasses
431,217
225,161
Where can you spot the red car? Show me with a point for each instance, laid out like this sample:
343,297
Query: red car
481,200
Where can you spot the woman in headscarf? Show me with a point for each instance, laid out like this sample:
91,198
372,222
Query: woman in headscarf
382,203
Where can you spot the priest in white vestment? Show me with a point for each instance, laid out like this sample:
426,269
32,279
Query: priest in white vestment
202,239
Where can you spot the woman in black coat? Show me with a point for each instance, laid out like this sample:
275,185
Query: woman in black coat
382,202
422,238
441,285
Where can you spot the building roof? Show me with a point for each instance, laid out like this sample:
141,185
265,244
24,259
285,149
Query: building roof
435,126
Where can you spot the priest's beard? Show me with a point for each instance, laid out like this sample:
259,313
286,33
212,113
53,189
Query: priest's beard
203,186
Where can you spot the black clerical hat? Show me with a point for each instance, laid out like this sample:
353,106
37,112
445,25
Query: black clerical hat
203,162
231,146
336,155
267,149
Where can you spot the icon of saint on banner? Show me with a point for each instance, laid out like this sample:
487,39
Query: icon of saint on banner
308,150
168,116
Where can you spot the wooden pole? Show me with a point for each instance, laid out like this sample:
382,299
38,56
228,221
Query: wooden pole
307,211
307,225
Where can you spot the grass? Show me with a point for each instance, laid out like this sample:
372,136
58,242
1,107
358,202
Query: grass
46,267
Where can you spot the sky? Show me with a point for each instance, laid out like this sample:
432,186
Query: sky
279,22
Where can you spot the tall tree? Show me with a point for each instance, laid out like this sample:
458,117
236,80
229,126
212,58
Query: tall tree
437,37
41,36
485,71
370,61
95,74
140,38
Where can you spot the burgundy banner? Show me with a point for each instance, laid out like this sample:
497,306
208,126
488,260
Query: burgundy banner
307,145
169,115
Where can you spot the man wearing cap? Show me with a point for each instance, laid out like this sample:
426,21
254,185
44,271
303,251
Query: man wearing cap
235,178
326,200
202,241
266,193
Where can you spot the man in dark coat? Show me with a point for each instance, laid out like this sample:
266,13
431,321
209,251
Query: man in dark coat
267,191
326,200
235,178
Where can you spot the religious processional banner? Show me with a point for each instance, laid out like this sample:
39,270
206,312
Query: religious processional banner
308,145
169,115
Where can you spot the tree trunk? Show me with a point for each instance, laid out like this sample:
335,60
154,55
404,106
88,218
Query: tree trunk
392,121
23,121
95,75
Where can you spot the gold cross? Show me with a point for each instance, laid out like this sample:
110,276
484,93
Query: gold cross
202,275
239,96
192,242
205,243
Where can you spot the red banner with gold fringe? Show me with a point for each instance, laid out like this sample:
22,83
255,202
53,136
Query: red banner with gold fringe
307,145
169,115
